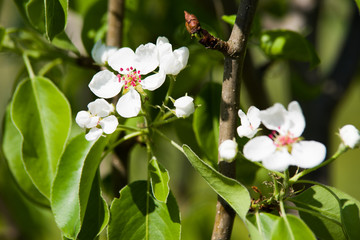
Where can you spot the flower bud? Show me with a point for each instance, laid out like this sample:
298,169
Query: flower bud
350,136
184,106
228,150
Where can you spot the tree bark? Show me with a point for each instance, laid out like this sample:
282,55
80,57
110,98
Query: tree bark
230,100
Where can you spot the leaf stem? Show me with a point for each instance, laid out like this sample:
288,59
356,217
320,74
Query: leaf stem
28,66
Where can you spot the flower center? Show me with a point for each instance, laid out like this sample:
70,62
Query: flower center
286,141
131,79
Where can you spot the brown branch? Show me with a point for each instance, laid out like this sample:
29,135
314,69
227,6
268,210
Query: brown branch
234,50
115,22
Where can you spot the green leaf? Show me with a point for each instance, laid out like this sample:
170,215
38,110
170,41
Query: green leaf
262,224
72,188
285,44
138,215
358,4
159,178
55,17
350,212
97,214
230,19
235,194
206,120
330,213
46,16
42,115
291,227
12,143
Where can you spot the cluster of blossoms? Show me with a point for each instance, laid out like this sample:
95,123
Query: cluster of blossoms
284,146
124,74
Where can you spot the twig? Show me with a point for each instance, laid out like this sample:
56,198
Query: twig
234,50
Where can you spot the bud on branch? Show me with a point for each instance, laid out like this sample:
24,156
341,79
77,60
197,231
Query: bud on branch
192,25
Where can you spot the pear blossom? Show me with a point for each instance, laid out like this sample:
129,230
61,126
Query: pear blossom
97,119
184,106
100,52
284,147
228,150
350,136
250,122
130,67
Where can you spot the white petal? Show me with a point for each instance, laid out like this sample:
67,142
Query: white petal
100,107
169,64
274,118
161,40
82,118
146,58
228,150
246,131
259,148
350,135
184,106
94,121
93,134
182,55
243,119
296,119
97,51
105,84
109,124
129,105
253,116
278,161
154,81
122,60
308,154
100,52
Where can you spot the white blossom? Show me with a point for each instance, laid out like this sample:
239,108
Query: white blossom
97,119
131,67
350,136
228,150
250,122
184,106
284,147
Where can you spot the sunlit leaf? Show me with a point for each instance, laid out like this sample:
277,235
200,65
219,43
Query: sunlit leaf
138,215
260,225
74,187
292,228
235,194
42,115
285,44
12,143
230,19
159,178
330,213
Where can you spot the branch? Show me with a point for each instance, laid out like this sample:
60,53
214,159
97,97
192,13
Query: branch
115,23
234,51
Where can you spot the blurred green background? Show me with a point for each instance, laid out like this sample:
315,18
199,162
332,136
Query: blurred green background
144,21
